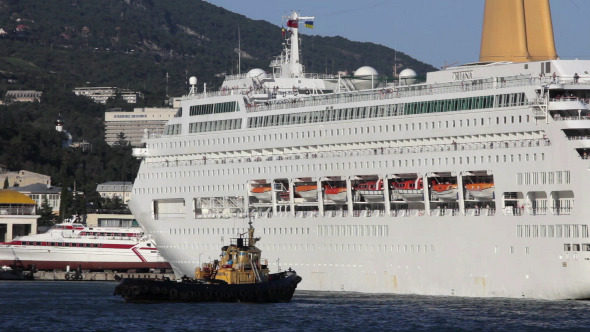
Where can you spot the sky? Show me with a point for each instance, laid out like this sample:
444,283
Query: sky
437,32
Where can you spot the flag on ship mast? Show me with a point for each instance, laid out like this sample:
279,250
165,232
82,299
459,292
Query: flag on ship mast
309,24
293,24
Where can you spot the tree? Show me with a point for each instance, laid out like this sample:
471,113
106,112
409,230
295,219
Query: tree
121,140
66,199
47,217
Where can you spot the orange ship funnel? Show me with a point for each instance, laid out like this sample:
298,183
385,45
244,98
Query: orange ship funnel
517,31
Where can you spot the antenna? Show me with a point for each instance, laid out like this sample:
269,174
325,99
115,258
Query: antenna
394,63
166,85
239,52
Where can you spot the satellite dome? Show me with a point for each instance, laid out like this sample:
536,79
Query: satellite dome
365,71
255,73
192,80
365,78
407,76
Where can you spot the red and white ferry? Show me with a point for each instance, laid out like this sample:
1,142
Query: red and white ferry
91,248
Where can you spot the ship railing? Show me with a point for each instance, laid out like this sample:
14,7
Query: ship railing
17,210
169,216
558,117
407,212
402,92
568,99
561,211
533,142
537,211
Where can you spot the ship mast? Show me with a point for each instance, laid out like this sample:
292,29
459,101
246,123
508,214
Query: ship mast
292,66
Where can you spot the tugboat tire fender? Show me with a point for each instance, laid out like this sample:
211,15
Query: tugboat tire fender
156,290
173,293
136,290
125,291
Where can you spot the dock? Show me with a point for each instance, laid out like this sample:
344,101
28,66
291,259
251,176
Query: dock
99,276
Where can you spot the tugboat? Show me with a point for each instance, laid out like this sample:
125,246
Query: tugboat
239,276
17,271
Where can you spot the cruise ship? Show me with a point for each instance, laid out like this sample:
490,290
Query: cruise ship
470,183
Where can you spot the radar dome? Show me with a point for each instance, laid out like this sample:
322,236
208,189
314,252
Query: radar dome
407,76
255,73
192,80
365,71
365,78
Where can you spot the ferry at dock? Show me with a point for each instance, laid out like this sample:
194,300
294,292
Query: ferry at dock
470,183
74,246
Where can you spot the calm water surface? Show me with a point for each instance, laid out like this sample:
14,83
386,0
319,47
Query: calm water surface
90,306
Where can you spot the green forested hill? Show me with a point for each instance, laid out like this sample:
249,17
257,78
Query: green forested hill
56,45
134,43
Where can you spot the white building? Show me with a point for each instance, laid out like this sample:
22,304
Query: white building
23,95
110,220
121,189
22,177
18,215
39,192
102,94
134,124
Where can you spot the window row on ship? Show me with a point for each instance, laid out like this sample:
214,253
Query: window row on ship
557,231
367,112
350,165
352,247
355,113
417,145
380,129
522,231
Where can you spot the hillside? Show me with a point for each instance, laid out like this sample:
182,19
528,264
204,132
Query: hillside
134,43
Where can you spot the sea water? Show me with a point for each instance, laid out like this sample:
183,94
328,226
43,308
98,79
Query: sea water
91,306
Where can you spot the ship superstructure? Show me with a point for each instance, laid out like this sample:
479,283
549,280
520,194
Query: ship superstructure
471,183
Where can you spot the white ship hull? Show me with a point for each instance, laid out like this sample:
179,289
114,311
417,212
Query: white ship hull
447,263
115,249
50,258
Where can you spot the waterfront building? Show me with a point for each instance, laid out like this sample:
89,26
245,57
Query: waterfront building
39,192
134,125
108,219
18,215
22,177
112,189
